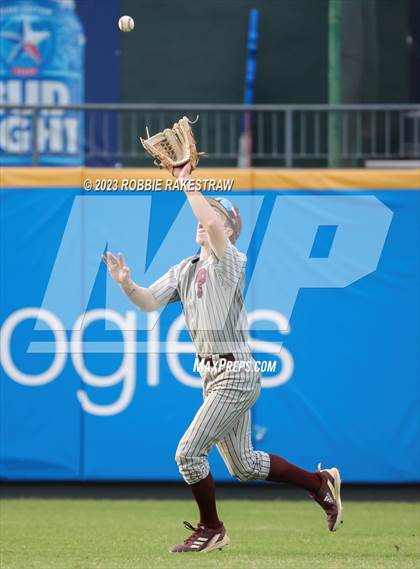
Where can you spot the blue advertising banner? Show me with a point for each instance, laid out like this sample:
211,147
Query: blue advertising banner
92,389
41,63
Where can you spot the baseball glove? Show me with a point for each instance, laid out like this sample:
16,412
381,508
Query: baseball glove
174,147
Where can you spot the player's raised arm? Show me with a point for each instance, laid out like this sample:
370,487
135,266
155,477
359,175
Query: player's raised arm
141,297
206,215
176,150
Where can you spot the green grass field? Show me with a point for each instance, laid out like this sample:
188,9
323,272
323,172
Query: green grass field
119,534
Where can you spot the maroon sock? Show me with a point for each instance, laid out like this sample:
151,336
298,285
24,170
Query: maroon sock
283,471
204,495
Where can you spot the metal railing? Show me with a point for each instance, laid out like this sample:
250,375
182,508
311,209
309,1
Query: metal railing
282,135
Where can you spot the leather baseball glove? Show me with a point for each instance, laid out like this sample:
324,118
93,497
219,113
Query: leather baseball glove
174,147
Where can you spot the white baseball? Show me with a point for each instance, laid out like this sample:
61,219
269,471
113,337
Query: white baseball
126,23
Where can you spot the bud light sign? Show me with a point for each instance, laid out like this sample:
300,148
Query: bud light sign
41,63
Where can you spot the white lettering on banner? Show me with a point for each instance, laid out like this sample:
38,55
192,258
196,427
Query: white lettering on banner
60,339
126,373
34,92
71,129
15,135
175,347
287,363
57,131
55,134
153,348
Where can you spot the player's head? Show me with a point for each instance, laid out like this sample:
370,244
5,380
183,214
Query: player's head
230,215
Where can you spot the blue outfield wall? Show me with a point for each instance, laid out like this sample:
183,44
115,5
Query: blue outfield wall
332,295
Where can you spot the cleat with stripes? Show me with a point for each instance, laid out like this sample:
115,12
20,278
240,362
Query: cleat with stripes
329,498
202,539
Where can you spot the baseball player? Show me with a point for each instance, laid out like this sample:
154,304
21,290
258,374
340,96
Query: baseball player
210,287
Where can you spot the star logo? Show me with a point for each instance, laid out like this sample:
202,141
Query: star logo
27,42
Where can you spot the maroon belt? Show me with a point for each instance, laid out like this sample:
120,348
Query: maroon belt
209,358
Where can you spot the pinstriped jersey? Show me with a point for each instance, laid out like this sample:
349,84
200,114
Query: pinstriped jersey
211,292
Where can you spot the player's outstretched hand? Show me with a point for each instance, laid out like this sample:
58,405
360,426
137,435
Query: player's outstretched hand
117,267
183,172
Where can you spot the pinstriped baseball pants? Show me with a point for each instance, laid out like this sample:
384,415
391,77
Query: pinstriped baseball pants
224,421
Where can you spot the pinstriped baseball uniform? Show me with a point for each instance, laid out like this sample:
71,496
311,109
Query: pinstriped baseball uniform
211,292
